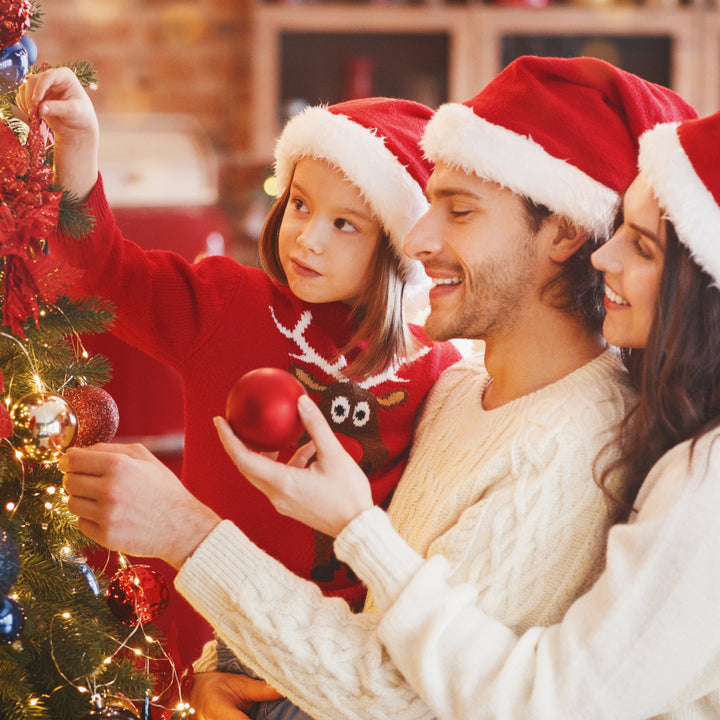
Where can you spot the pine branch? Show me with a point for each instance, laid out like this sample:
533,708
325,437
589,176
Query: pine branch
38,16
74,217
84,71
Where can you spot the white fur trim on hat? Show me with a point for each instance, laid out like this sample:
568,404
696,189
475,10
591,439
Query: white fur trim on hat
457,137
361,155
689,205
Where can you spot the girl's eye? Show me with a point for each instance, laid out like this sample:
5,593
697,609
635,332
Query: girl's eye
344,225
459,213
299,205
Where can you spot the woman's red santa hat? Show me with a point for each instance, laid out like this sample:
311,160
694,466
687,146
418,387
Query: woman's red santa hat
560,131
681,162
375,143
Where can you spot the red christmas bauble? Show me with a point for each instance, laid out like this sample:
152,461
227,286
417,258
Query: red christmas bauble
15,18
6,422
97,414
137,594
262,409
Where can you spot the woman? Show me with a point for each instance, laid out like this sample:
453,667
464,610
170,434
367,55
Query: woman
643,641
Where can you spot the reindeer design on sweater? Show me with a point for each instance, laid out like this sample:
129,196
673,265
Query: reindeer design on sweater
353,412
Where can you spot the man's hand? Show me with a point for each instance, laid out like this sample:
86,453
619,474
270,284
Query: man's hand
326,494
127,500
227,696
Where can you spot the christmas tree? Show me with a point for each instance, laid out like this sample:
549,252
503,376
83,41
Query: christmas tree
72,643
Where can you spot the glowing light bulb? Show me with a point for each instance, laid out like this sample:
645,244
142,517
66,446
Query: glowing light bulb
270,186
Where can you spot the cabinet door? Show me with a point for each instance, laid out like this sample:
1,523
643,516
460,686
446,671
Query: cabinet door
649,56
325,54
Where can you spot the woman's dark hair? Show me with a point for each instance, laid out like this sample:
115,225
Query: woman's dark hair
577,288
380,329
677,374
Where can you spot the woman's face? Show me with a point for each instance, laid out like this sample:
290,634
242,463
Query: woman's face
328,235
632,261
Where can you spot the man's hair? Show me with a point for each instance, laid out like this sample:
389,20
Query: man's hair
578,287
381,332
678,372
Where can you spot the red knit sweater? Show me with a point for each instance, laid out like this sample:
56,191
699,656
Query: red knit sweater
214,321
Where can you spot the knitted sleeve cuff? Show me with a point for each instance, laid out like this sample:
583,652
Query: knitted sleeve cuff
223,561
379,556
207,662
97,202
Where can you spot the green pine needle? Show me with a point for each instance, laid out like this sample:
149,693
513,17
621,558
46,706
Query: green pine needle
74,217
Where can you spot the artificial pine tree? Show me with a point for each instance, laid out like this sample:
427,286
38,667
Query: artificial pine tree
60,643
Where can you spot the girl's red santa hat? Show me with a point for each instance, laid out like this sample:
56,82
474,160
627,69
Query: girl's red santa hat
561,131
375,143
681,162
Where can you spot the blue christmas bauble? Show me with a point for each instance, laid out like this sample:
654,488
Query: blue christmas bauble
14,67
29,44
86,570
9,563
12,621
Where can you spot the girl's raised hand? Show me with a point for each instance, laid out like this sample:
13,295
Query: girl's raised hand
326,494
57,96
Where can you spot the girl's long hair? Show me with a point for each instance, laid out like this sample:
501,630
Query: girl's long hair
678,373
381,335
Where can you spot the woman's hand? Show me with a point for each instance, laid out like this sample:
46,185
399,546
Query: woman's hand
325,494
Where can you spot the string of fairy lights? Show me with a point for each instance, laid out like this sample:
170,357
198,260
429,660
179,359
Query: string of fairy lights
44,426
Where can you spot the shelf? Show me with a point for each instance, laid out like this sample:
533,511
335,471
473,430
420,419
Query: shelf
437,53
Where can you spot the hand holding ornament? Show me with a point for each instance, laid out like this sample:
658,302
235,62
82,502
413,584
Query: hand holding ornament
325,493
118,493
59,98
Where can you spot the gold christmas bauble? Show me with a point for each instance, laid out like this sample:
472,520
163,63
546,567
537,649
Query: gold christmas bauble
44,426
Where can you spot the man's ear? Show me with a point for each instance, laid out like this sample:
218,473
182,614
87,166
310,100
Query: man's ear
569,238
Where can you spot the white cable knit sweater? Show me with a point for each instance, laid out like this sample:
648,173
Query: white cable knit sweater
507,496
643,642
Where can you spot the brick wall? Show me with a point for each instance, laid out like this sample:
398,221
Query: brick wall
177,56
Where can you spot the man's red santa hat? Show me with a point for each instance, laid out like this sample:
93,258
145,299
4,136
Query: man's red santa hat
561,131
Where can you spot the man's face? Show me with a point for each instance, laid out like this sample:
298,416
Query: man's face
477,247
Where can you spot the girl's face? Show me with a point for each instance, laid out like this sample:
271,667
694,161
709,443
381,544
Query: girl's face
632,261
328,235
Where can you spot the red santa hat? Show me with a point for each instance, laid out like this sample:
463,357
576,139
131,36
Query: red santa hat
375,143
681,162
560,131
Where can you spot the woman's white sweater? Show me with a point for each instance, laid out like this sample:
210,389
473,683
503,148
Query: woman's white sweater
644,642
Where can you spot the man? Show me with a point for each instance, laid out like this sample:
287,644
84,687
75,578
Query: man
501,477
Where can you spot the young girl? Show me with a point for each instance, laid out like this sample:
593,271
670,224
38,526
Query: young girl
644,641
329,309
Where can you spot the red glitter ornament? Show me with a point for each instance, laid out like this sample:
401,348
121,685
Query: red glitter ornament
137,594
6,423
97,414
15,18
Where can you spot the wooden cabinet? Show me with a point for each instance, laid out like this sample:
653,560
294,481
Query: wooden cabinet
309,53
